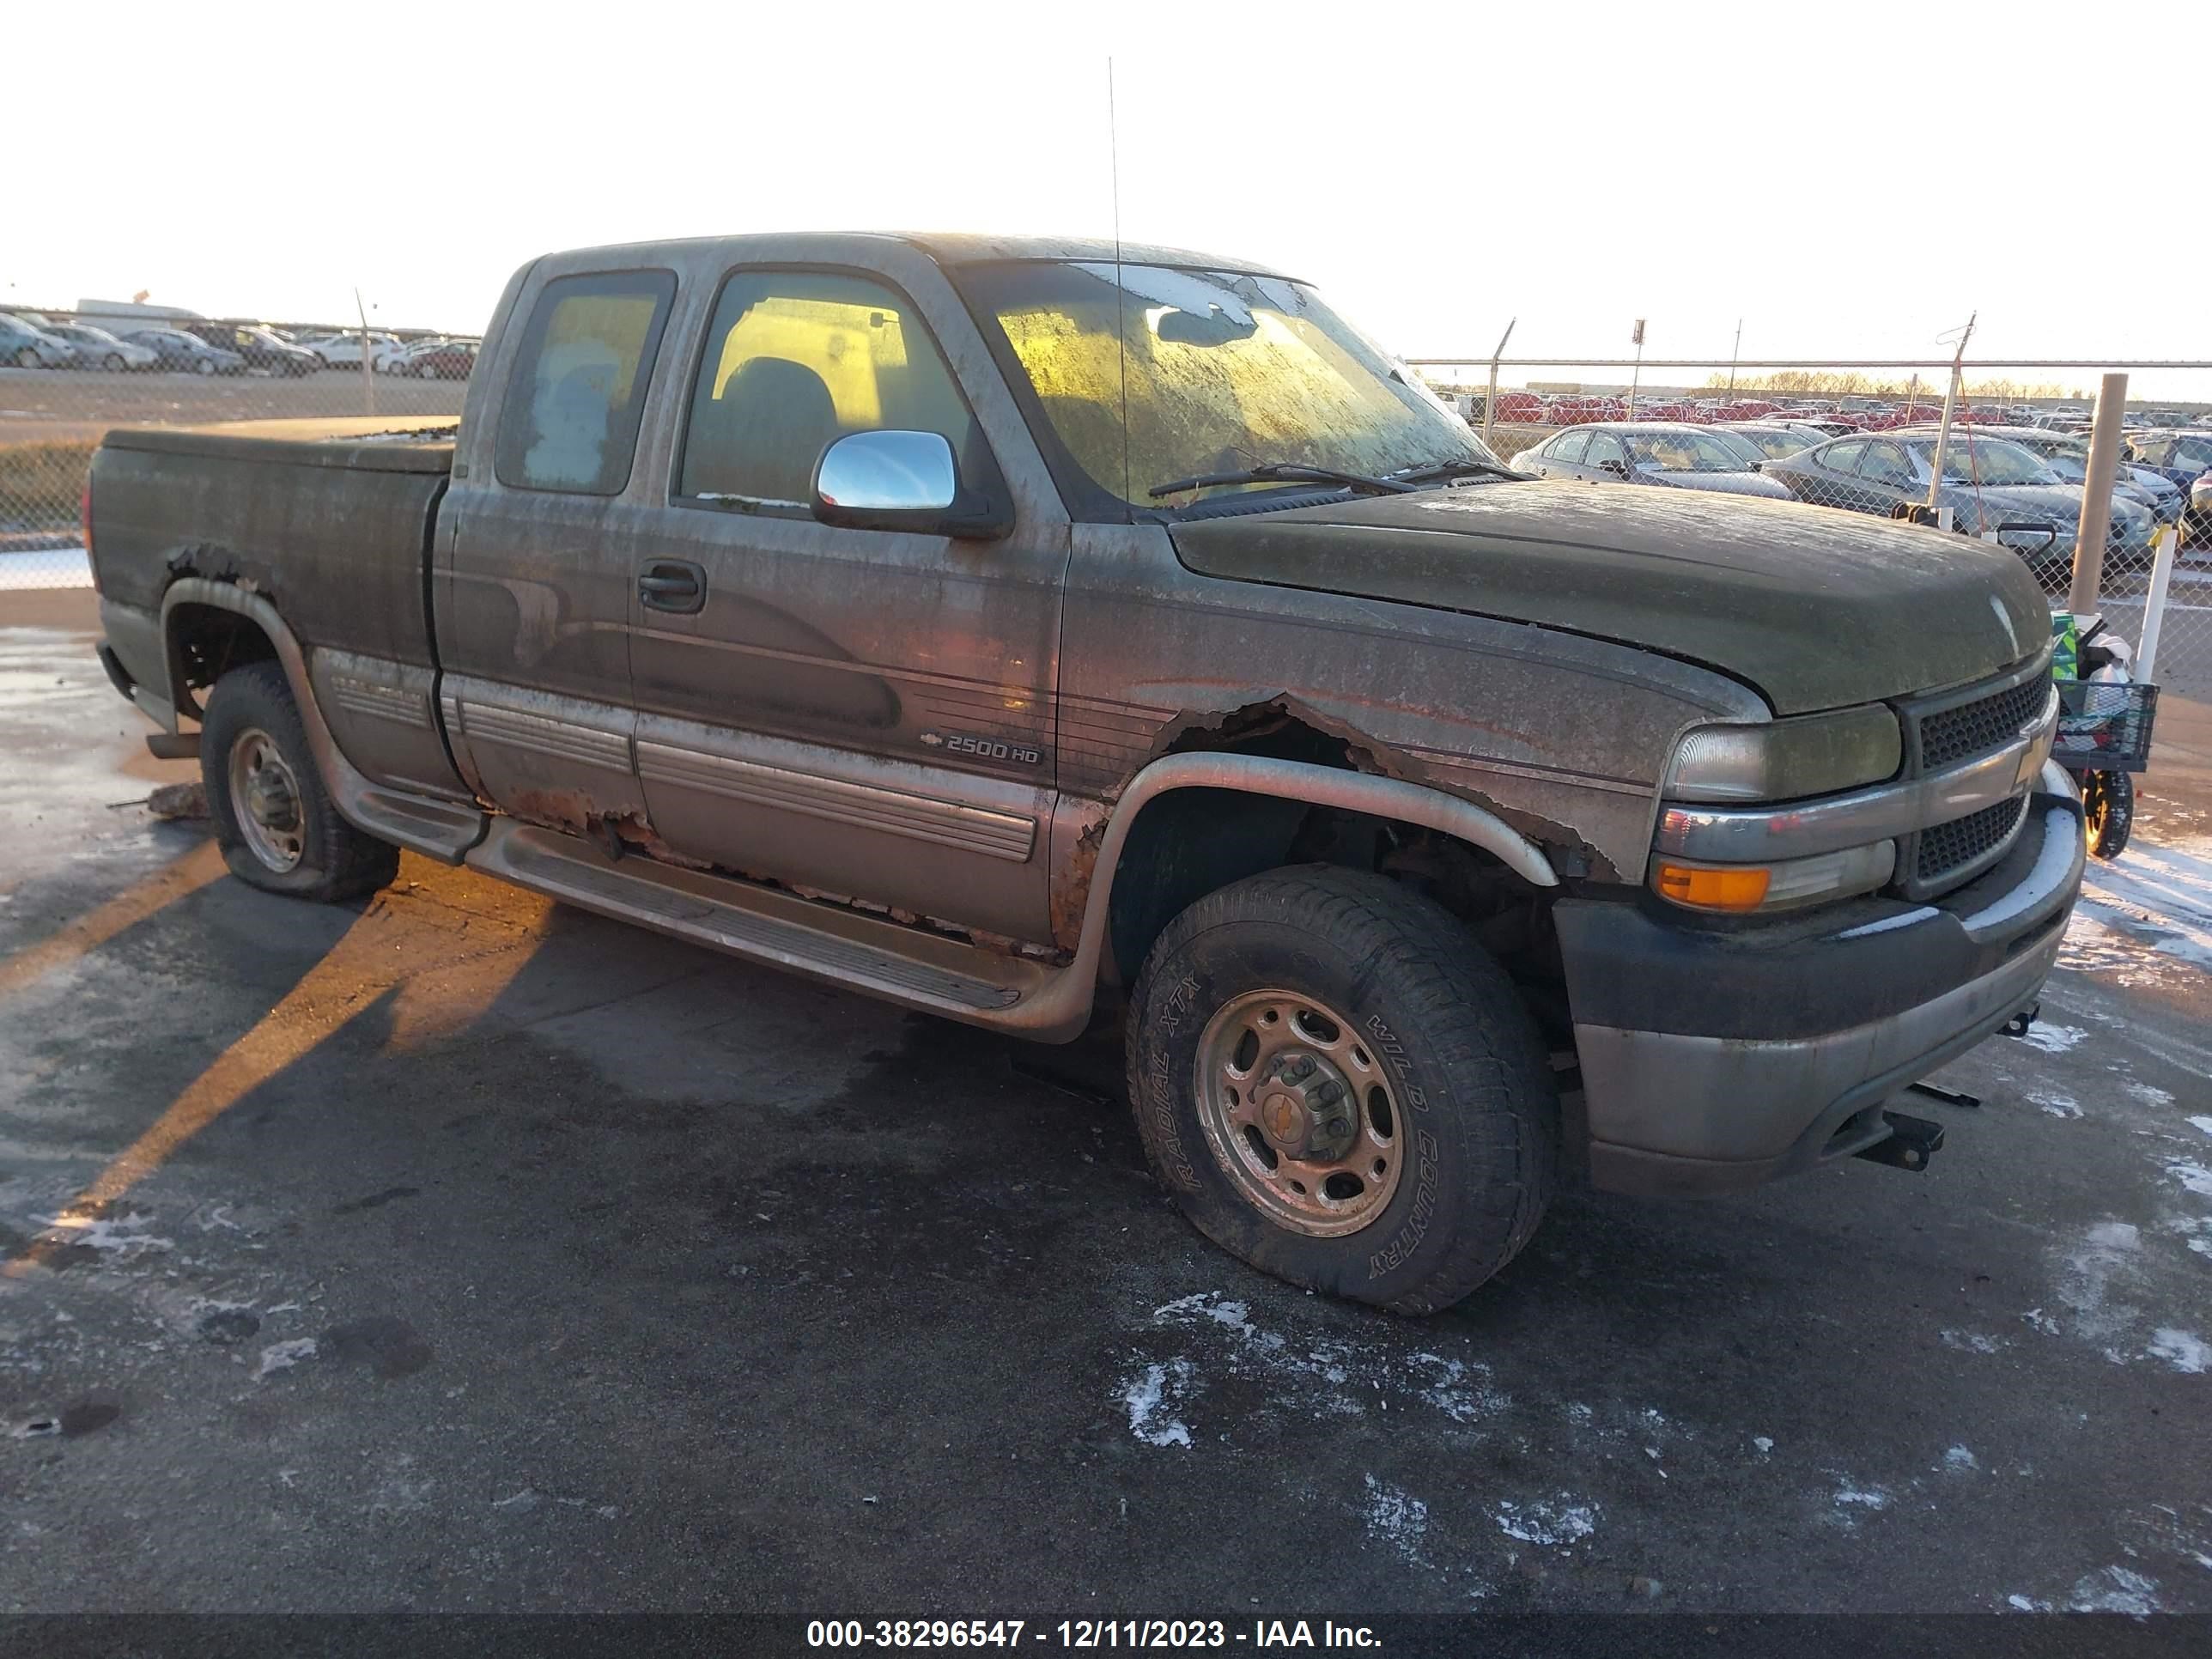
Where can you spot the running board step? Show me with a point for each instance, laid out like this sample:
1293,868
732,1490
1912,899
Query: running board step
821,941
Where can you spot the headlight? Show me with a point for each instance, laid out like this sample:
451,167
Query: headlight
1786,760
1778,886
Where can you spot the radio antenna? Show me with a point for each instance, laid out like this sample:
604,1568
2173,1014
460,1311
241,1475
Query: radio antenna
1120,293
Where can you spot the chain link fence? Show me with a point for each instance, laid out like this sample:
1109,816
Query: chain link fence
67,377
1865,438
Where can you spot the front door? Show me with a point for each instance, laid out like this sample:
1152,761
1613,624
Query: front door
867,713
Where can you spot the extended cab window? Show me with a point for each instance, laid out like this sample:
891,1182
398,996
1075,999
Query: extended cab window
796,360
577,389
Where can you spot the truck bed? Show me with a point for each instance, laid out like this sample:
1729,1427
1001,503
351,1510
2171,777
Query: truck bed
332,518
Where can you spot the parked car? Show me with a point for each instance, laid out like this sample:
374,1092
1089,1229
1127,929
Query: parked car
1605,782
1636,452
1519,407
27,346
2182,458
447,360
2067,457
1583,409
340,349
263,347
1769,440
97,348
1991,487
174,349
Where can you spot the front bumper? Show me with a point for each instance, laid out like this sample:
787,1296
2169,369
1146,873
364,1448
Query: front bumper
1713,1060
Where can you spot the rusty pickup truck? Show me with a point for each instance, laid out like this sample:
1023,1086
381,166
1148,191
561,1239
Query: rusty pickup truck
1040,633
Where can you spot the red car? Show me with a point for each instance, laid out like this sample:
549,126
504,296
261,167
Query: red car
1523,407
450,361
1745,409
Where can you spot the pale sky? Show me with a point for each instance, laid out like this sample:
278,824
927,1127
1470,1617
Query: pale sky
1436,169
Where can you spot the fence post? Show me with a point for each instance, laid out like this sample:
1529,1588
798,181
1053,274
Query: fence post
367,368
2161,578
2097,495
1490,404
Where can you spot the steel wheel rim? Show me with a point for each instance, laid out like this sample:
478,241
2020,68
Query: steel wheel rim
1266,1062
264,799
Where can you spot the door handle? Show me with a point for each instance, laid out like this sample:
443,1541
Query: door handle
676,584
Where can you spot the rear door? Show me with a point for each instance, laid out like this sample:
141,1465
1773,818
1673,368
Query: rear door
866,712
536,574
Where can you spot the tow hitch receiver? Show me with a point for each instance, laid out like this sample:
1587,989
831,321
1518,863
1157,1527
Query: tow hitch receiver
2018,1024
1913,1141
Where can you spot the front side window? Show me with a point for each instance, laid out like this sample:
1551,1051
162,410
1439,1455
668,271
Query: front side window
1217,371
577,389
1990,461
1603,448
796,360
1886,463
1842,457
1569,450
1683,452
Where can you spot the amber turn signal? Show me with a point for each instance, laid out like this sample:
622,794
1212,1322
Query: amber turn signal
1712,890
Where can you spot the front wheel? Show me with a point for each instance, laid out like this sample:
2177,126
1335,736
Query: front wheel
204,366
2108,802
275,823
26,358
1338,1085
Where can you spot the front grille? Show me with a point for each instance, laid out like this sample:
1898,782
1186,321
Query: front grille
1954,846
1987,723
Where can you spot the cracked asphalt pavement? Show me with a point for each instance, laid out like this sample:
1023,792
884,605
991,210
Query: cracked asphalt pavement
456,1250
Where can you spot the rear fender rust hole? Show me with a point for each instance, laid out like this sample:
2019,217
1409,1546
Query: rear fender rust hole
1343,1185
1378,1116
1316,1027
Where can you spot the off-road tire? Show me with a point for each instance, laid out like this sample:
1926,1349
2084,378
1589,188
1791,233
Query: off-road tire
2108,800
1473,1074
336,861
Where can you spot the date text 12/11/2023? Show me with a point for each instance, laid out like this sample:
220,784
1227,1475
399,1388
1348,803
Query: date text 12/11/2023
1087,1633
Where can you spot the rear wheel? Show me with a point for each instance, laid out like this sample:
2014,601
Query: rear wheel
276,824
1339,1087
2108,802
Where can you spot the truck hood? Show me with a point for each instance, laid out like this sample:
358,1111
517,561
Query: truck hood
1721,483
1813,607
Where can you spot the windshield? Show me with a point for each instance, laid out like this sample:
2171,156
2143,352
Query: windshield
1778,443
1986,461
1224,370
1684,452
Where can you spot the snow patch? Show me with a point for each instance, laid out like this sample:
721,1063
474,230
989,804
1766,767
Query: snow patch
2183,1350
2116,1589
1560,1521
2053,1039
2055,1104
1970,1341
1396,1518
1959,1459
1147,1397
1765,1446
2194,1176
2204,1125
1864,1498
282,1356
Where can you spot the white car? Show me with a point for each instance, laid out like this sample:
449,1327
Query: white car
335,349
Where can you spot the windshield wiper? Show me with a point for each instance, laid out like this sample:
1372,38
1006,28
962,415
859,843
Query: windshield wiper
1458,467
1284,473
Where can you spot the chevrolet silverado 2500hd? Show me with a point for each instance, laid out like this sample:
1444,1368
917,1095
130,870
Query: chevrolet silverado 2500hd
1003,627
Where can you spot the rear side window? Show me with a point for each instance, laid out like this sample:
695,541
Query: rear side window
578,391
796,360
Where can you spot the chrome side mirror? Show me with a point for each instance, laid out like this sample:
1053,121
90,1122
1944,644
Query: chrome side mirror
910,481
